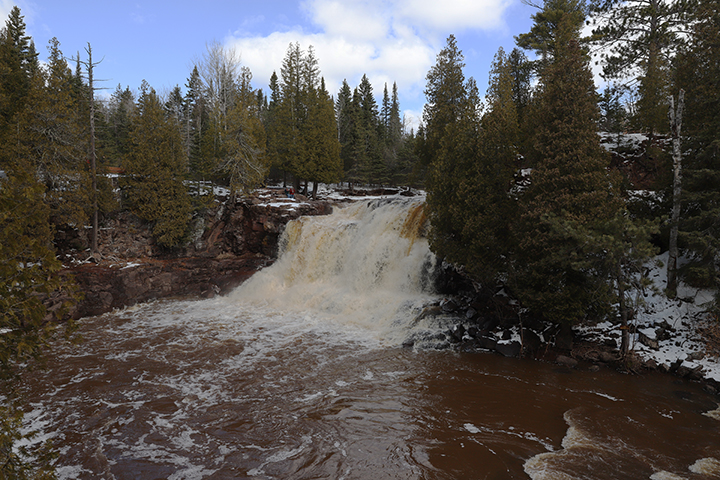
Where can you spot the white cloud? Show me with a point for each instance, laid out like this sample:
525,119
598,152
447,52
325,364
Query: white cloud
389,40
5,7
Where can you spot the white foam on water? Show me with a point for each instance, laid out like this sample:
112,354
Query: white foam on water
713,413
706,466
663,475
471,428
364,270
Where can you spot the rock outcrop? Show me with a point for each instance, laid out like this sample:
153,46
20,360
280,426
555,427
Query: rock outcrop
229,244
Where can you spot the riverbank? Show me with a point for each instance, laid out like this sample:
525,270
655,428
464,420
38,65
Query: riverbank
233,242
670,336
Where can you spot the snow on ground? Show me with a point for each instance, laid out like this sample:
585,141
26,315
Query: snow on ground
624,141
670,326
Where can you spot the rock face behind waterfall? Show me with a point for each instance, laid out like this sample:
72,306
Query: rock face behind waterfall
229,244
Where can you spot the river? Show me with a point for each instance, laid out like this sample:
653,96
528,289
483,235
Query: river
301,373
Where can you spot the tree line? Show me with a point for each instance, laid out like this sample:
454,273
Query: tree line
520,190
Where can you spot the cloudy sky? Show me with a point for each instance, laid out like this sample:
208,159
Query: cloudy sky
389,40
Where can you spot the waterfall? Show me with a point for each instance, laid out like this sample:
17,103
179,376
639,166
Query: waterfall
365,266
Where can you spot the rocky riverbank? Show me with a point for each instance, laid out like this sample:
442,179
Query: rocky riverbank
666,335
229,244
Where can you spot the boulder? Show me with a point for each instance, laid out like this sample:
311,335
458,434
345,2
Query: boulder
486,342
508,349
648,342
531,340
566,361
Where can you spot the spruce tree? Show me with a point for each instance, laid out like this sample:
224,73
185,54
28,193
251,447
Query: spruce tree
321,147
291,111
698,71
272,127
571,194
373,170
18,65
346,119
196,120
121,110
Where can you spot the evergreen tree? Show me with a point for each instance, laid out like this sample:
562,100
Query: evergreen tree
384,123
346,119
291,112
639,36
698,71
50,129
521,69
272,127
243,141
153,186
29,272
321,146
571,194
196,120
18,65
543,37
451,117
373,169
121,110
395,126
491,205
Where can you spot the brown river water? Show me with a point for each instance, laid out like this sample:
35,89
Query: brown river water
301,374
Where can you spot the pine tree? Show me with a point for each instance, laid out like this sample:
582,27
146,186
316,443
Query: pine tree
640,36
153,186
571,195
698,71
543,37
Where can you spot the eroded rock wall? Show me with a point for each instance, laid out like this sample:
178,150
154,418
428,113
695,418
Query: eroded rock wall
229,244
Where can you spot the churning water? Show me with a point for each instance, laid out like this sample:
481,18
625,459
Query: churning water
300,373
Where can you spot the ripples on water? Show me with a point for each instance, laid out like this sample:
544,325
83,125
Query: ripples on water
300,374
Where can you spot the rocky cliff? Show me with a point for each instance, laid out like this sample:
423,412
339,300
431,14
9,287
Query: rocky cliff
229,243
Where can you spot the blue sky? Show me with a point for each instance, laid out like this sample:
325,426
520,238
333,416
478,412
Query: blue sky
389,40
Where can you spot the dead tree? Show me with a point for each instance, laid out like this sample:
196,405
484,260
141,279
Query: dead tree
675,117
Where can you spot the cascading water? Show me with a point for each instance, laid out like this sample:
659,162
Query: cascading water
365,267
299,374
